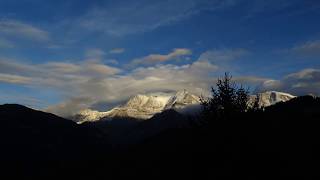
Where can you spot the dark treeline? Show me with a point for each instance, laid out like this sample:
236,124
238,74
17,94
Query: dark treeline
229,139
233,138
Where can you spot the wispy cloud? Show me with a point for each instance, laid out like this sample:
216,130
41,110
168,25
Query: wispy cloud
94,53
14,79
22,30
224,58
309,48
112,61
6,44
219,55
117,51
158,58
129,17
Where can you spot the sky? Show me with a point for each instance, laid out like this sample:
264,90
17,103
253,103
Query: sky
66,55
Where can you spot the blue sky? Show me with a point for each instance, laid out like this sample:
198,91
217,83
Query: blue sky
63,56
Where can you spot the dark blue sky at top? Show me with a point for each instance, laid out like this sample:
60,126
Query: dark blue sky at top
270,31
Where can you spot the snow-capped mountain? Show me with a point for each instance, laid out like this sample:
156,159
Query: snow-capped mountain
182,99
88,115
144,107
141,107
269,98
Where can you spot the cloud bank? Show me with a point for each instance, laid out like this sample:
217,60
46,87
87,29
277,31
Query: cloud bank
86,83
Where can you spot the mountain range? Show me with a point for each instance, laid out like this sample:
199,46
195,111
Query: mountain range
143,106
39,144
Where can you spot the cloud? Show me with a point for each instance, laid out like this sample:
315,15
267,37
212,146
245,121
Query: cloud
14,79
87,83
6,44
224,58
94,53
10,66
261,7
85,68
117,51
130,17
112,61
22,30
69,107
55,46
54,74
306,81
158,58
219,55
309,48
161,78
18,98
93,82
251,80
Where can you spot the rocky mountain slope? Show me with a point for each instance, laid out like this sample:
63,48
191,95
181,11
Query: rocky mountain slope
144,107
269,98
141,107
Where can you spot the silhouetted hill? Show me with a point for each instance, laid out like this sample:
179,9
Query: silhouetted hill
282,140
130,131
38,144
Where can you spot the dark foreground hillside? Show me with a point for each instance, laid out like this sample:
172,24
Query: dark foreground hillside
283,140
38,144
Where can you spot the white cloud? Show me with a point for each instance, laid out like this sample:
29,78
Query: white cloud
15,79
306,81
86,83
69,107
94,82
117,51
156,58
22,30
193,77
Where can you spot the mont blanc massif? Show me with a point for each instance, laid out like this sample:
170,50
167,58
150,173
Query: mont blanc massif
145,106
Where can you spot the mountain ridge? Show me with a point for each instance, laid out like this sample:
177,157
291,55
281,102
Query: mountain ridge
141,107
144,107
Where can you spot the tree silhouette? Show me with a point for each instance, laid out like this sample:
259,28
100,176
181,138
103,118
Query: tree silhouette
227,100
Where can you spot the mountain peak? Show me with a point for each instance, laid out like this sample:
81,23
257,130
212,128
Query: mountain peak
269,98
141,106
182,99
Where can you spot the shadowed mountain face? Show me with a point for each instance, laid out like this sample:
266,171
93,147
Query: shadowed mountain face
281,140
141,107
144,107
38,144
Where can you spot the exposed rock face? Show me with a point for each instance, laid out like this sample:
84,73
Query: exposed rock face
146,106
271,97
141,107
182,99
88,115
